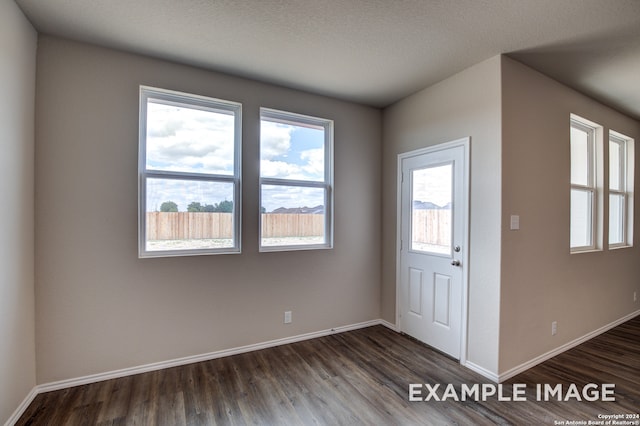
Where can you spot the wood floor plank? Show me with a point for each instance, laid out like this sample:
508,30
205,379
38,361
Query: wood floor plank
360,377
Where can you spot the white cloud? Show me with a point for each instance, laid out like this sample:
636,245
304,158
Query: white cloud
284,156
311,169
183,139
275,139
315,163
433,184
274,197
280,169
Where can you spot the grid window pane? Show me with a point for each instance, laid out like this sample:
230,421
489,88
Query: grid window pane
289,151
292,215
579,157
184,139
189,215
616,218
616,165
581,218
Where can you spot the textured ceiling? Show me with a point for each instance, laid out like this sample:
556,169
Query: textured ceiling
369,51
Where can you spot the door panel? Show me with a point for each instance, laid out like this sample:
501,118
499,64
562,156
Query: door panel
433,225
415,291
442,300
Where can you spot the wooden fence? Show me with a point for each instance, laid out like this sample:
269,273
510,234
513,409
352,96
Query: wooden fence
276,225
188,226
429,226
432,227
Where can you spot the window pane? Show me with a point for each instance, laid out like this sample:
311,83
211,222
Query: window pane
616,218
292,215
581,213
184,139
616,166
579,157
431,209
189,214
290,151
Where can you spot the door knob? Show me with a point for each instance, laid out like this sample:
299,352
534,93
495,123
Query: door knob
455,262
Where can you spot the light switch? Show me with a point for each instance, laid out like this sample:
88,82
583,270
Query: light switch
515,222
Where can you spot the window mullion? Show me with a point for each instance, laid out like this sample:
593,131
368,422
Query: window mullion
582,187
292,182
161,174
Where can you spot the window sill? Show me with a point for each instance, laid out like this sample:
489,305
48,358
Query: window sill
586,250
620,247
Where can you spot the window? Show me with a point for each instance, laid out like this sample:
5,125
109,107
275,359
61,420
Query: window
620,190
586,184
296,178
189,174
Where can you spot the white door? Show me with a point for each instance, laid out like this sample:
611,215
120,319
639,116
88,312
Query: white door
433,252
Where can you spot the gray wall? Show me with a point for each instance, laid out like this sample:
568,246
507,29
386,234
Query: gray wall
466,104
99,307
519,281
541,281
17,93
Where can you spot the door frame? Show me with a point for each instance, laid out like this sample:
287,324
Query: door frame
465,143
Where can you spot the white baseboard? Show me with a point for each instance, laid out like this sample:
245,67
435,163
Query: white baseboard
389,325
540,359
482,371
22,407
93,378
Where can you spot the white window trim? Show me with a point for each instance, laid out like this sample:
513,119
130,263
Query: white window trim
191,101
595,180
627,179
300,119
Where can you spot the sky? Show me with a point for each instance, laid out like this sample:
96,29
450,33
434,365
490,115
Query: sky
189,140
433,184
291,152
202,141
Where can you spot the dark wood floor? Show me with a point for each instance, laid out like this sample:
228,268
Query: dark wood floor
358,377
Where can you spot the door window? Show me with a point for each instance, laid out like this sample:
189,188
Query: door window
431,199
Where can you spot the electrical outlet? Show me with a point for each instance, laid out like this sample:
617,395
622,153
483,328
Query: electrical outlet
515,222
287,317
554,328
635,296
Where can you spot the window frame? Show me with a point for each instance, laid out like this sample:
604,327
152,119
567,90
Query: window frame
626,179
594,183
193,101
295,119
